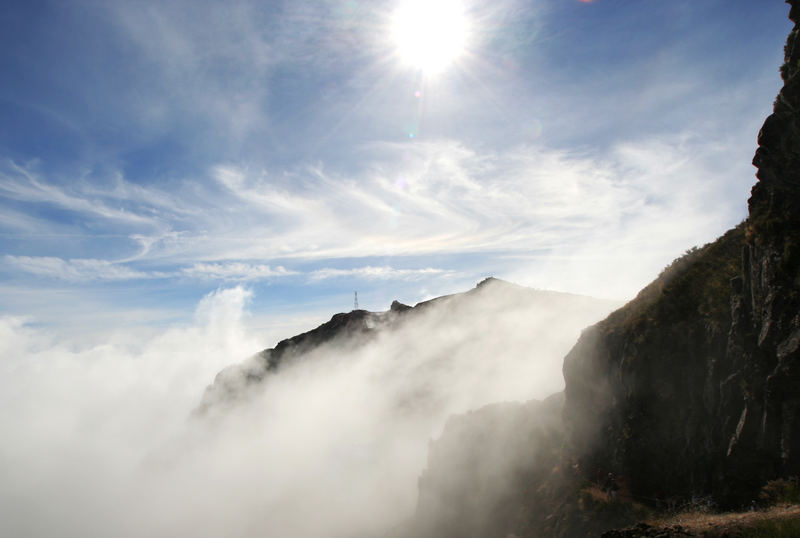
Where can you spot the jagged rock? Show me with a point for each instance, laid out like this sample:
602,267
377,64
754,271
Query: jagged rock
397,306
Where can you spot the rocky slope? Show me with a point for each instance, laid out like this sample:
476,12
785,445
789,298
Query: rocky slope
502,323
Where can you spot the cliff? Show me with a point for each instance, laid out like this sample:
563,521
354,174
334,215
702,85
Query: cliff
765,343
692,387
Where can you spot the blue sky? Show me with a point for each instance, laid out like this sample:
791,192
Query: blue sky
153,152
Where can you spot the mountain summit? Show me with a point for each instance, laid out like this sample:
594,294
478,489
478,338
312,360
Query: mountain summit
494,323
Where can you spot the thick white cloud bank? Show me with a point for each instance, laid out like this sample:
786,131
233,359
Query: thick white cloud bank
98,439
83,424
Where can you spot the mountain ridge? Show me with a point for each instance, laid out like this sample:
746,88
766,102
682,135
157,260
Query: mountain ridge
353,330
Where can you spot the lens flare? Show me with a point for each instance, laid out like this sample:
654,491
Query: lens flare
536,129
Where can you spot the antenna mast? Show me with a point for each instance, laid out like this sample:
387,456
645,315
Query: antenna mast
355,301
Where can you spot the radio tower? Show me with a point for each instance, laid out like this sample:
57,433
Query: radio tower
355,301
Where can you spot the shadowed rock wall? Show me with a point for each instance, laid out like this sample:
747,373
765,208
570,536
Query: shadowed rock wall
694,387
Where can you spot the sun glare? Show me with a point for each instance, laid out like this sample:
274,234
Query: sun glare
429,34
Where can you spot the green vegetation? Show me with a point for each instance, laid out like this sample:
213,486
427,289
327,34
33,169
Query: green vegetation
781,491
695,284
773,528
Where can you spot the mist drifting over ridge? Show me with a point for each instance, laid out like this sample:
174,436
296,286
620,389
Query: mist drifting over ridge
99,440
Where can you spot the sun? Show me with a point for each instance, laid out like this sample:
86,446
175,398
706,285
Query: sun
430,35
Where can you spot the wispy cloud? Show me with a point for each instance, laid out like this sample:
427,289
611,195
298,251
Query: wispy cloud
86,270
379,273
75,270
445,197
408,199
235,271
20,183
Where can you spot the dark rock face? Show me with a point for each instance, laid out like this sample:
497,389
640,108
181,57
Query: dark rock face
484,469
693,386
769,302
642,391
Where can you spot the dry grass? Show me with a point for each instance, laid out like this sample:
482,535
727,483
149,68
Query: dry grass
595,493
700,523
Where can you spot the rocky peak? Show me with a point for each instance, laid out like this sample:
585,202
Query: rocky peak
397,306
